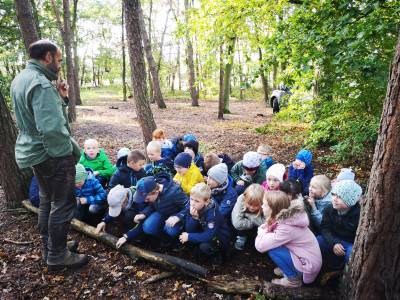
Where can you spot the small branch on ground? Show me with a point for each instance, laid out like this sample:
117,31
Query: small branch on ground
17,242
159,277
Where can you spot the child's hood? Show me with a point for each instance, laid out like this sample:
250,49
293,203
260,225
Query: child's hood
294,215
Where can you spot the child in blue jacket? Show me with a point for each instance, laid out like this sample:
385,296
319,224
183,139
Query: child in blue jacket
201,223
89,193
162,199
222,190
157,163
302,169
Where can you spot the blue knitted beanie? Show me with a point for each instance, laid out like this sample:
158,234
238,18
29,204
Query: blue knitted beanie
305,156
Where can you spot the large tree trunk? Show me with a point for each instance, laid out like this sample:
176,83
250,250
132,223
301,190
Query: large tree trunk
264,78
227,75
194,93
13,181
123,54
26,22
65,31
221,84
74,39
158,98
374,269
138,73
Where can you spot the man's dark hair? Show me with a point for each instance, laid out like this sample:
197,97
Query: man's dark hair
39,49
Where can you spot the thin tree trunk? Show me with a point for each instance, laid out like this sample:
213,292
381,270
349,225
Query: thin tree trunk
14,182
274,75
151,92
123,53
26,22
152,64
264,79
74,39
374,268
162,40
241,83
65,31
227,75
194,93
178,66
36,16
221,84
83,68
138,73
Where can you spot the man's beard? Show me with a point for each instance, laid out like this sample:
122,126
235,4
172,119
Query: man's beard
52,66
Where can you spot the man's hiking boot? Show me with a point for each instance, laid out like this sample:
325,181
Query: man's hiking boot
71,246
70,261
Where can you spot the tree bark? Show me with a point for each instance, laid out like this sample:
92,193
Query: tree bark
138,73
221,84
227,75
194,92
36,17
374,268
264,79
26,22
14,182
74,39
155,82
123,53
162,40
65,31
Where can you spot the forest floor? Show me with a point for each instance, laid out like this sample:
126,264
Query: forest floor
111,275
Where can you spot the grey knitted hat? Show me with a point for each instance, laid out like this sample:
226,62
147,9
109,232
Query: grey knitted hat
219,173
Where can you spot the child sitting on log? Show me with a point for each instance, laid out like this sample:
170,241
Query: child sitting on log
319,198
289,242
121,207
248,171
187,173
302,169
89,193
274,177
247,214
157,163
222,190
129,170
162,199
96,159
339,224
202,224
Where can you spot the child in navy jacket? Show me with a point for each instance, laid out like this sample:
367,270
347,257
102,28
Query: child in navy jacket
302,169
201,223
162,199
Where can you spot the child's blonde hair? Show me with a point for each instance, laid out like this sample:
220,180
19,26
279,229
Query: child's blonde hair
154,145
90,142
265,149
254,194
323,182
159,134
201,190
276,200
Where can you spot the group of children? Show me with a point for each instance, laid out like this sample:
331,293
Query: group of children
215,205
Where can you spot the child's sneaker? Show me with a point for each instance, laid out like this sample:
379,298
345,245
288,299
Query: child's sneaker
278,272
240,242
286,282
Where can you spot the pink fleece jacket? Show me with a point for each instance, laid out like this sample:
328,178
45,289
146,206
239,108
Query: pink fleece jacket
291,231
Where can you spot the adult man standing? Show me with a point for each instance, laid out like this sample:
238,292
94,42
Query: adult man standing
44,143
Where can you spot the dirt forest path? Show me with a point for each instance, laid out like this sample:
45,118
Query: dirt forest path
115,125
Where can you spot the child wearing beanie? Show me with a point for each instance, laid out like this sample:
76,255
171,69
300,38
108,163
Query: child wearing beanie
89,193
319,198
302,169
274,177
339,224
248,171
222,189
187,173
344,174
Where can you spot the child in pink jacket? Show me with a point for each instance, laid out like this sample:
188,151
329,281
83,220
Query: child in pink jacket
290,243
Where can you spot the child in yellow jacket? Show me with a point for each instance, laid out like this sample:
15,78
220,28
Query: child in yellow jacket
187,173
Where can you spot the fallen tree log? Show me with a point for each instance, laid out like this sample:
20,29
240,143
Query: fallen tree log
221,283
169,262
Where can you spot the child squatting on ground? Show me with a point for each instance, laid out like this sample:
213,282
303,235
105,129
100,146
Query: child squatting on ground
289,242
